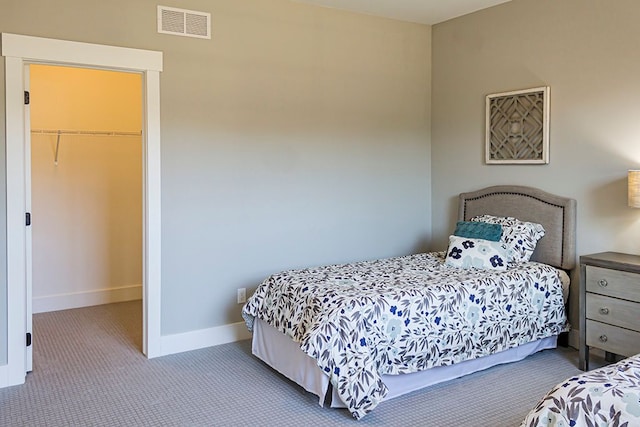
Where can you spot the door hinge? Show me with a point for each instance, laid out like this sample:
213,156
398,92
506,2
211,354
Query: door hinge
26,97
28,218
28,339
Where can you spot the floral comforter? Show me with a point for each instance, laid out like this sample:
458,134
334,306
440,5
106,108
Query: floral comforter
401,315
608,396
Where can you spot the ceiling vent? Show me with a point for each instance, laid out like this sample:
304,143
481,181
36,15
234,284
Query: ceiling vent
183,22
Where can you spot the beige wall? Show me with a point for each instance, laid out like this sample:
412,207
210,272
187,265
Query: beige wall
585,50
296,136
87,208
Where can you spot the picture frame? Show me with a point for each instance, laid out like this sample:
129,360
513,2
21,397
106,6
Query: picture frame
517,127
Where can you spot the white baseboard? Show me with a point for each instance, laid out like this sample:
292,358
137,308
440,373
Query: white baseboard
4,376
194,340
86,298
8,378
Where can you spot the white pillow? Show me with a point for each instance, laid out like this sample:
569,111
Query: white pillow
521,237
464,252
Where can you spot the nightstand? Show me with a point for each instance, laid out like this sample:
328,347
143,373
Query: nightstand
609,304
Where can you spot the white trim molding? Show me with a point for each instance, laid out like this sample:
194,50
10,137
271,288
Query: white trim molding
5,376
16,235
67,300
195,340
80,54
21,50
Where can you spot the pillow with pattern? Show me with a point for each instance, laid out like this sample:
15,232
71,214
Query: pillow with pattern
478,230
521,237
465,252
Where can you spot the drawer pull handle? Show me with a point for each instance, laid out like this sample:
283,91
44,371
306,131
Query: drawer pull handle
603,283
604,310
603,338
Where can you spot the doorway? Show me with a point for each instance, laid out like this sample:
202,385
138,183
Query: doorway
86,187
19,50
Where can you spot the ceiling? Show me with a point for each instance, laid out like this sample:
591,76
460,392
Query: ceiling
421,11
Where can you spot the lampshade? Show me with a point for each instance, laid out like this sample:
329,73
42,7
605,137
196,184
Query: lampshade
633,183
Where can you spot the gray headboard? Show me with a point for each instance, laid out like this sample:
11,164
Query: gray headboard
557,215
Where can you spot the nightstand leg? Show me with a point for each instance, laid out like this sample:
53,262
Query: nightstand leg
583,363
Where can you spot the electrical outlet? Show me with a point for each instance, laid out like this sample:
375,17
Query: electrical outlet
242,295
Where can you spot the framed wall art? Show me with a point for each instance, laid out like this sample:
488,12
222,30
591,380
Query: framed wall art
517,128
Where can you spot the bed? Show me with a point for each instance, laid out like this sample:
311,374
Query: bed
607,396
358,334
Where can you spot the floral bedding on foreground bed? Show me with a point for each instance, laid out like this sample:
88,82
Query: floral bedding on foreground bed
609,396
400,315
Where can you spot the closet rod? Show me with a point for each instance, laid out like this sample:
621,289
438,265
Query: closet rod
84,132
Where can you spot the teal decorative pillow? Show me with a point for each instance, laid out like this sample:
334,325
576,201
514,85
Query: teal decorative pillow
521,237
478,230
464,252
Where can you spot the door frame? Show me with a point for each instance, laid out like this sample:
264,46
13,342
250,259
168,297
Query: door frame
17,51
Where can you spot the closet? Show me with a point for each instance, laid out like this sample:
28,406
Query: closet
86,186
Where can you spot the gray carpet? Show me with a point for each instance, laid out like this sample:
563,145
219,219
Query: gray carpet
89,371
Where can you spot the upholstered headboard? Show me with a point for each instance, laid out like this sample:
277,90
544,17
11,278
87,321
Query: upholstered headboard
557,215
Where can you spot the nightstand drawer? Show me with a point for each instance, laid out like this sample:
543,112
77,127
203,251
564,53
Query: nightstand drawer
615,283
613,311
613,339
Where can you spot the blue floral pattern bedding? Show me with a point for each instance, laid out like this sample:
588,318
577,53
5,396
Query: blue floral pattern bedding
401,315
609,396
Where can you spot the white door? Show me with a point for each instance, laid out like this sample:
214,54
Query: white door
28,233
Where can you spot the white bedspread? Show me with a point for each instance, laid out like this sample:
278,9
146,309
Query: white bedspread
609,396
401,315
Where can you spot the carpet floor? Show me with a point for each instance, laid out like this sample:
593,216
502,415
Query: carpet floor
89,371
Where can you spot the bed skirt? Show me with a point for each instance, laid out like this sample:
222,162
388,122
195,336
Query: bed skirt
284,355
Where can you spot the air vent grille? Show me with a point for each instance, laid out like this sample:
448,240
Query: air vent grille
183,22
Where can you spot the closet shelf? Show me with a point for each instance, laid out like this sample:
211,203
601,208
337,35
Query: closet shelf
60,132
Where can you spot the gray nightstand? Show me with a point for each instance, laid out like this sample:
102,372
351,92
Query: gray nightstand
609,304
